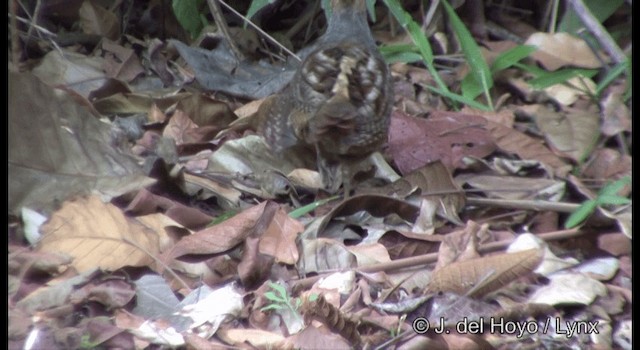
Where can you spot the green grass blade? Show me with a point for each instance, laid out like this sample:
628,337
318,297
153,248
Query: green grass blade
547,79
294,214
614,187
581,214
418,38
511,57
613,200
612,75
479,68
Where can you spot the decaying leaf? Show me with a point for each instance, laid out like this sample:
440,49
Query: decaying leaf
100,235
493,272
561,49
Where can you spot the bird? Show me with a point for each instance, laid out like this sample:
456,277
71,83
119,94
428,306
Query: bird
338,103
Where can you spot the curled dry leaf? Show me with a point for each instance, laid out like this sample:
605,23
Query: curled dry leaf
493,272
513,141
227,234
562,49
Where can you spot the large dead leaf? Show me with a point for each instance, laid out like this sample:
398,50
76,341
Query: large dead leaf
279,240
57,149
81,73
219,70
573,133
444,136
98,234
484,274
561,49
227,234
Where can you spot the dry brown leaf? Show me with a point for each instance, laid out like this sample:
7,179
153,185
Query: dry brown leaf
444,136
81,73
562,49
227,234
316,338
95,19
279,240
493,272
121,63
436,185
325,254
99,235
255,337
178,126
517,187
573,133
615,114
369,254
512,141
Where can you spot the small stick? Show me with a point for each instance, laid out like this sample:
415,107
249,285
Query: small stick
598,31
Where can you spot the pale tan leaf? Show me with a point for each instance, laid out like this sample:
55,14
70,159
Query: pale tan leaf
279,240
569,288
98,234
562,49
517,187
574,133
369,254
493,272
568,92
256,337
615,114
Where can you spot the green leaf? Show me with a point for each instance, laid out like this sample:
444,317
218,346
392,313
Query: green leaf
273,297
188,15
459,98
223,217
581,214
613,200
406,53
309,208
560,76
614,187
371,8
313,297
273,307
278,288
257,5
418,38
479,68
511,57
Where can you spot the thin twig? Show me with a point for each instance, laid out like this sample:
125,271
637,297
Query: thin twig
598,31
15,44
224,29
433,257
267,36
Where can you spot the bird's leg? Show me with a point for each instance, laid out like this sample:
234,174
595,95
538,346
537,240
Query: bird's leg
347,176
330,172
